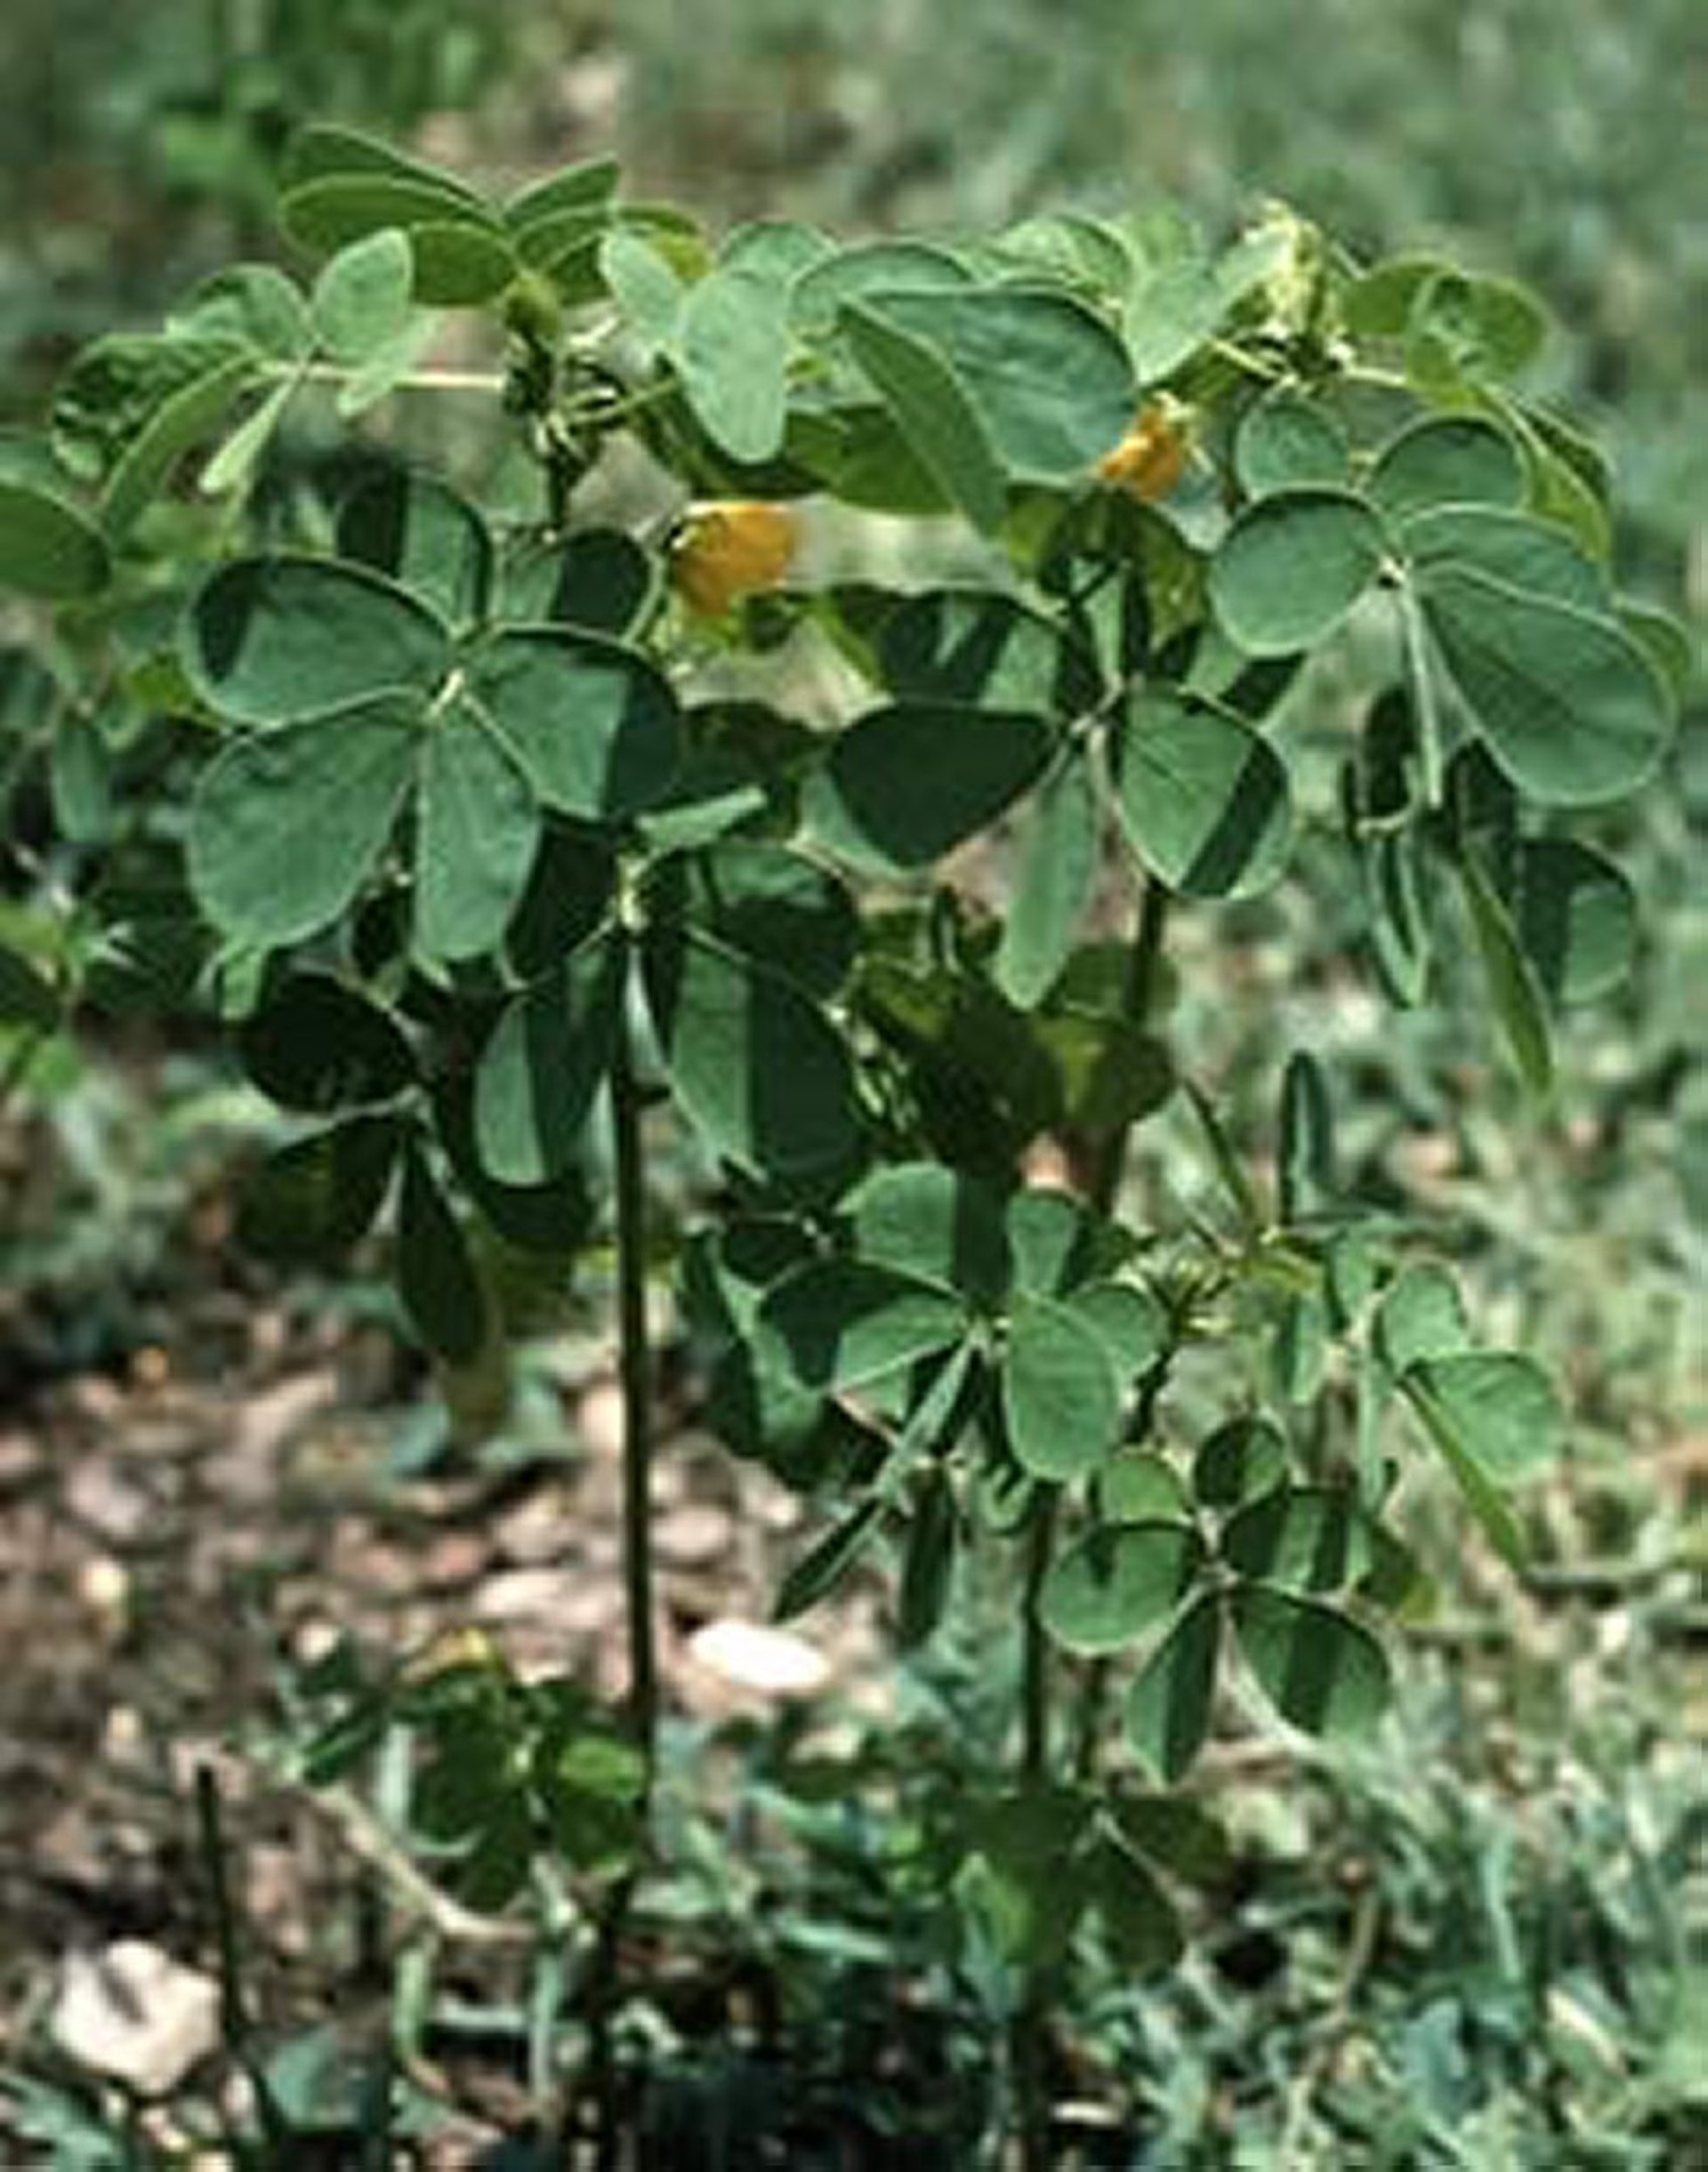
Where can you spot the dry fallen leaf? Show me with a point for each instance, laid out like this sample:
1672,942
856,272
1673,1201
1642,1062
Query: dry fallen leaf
767,1662
134,2013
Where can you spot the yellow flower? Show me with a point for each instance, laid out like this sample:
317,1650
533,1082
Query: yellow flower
730,549
1151,458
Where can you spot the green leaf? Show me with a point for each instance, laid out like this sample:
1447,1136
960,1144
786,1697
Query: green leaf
477,830
1293,566
1299,1346
1175,303
931,1222
971,646
1176,1832
1488,1505
1305,1165
1511,547
860,456
106,400
1389,863
1052,885
1575,919
309,1203
1499,1406
1050,382
182,421
385,370
322,150
80,778
928,1562
461,256
1379,305
1053,1240
732,350
435,1278
255,305
1023,1885
267,641
1127,1320
1076,250
783,249
1321,1672
1169,1705
1446,459
594,724
904,784
1202,798
1240,1462
757,1067
285,824
598,579
48,549
773,904
1138,1919
1287,442
1460,326
548,1057
421,534
982,1082
1421,1315
1061,1399
931,411
568,895
847,1323
555,1218
1139,1486
1112,1072
645,285
587,185
319,1046
1302,1537
361,299
1512,988
231,467
1567,478
1230,1170
1664,641
27,999
1568,706
870,268
828,1562
1117,1581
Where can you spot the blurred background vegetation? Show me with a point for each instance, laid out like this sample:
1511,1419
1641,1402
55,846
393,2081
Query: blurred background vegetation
1533,1833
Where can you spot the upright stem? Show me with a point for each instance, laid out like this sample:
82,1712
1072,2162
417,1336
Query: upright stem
1028,2036
634,1369
1138,997
1034,1658
634,1362
235,2019
1144,961
1028,2030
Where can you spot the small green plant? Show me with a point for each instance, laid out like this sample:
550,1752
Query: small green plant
495,831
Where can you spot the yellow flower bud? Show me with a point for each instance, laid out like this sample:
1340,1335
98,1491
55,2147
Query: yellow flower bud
730,549
1151,458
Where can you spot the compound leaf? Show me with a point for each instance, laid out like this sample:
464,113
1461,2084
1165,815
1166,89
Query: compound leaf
285,824
1062,1397
1117,1581
1203,798
1293,566
267,640
1323,1672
